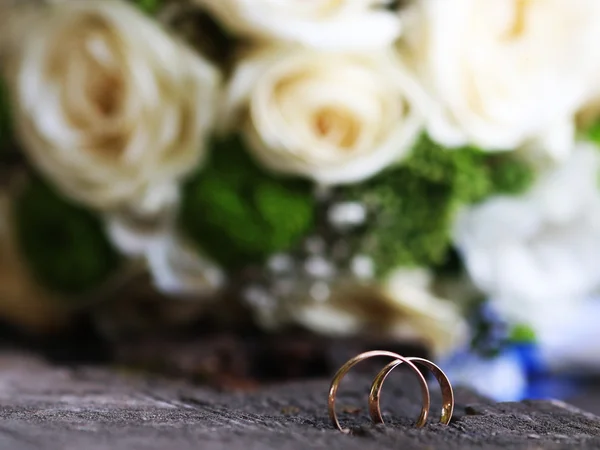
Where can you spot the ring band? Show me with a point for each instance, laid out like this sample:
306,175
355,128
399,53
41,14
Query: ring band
398,359
444,382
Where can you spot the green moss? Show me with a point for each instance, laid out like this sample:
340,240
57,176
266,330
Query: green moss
409,222
63,244
508,175
238,214
462,170
412,206
148,6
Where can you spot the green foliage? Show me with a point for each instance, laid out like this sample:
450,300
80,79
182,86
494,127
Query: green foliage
148,6
413,206
63,244
521,333
486,343
239,214
593,132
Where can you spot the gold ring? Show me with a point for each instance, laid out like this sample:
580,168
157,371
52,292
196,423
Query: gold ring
444,382
352,362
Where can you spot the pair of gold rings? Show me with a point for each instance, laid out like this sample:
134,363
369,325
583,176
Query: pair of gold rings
375,393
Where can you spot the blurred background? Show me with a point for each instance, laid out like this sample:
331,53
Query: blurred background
206,188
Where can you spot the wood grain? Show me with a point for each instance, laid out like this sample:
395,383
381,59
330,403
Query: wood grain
85,408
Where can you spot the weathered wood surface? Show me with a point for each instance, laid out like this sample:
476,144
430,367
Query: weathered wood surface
50,407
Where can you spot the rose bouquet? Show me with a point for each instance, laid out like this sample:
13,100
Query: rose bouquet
358,167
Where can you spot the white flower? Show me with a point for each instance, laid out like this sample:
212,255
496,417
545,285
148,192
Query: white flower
108,106
178,269
538,256
332,24
175,265
502,74
502,378
572,344
331,117
403,307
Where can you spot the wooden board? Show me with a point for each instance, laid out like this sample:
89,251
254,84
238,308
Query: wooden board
84,408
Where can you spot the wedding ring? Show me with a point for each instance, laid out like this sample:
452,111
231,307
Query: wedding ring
444,382
398,359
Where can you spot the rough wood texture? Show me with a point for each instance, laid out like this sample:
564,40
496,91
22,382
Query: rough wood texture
48,407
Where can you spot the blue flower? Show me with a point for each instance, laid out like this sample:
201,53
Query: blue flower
516,373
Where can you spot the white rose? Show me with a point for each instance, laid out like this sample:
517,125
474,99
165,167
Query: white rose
538,256
332,24
332,117
108,106
502,74
402,307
